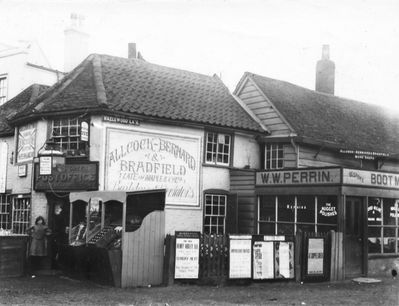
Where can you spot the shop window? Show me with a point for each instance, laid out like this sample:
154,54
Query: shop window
274,156
3,89
383,225
218,147
5,212
215,214
21,210
285,215
66,133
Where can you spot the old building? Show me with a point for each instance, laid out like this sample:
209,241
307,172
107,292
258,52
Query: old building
329,163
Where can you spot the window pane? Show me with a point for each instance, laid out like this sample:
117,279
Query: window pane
374,239
285,229
389,245
266,228
306,209
309,228
326,228
389,211
327,210
286,208
267,209
374,211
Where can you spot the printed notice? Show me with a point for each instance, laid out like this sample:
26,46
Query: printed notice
187,258
284,252
263,264
315,256
240,257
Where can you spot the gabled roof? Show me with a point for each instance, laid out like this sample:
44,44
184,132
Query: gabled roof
103,83
18,104
331,120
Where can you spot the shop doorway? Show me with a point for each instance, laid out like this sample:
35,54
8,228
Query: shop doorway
354,237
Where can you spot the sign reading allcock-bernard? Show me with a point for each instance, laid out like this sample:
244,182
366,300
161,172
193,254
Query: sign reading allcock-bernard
142,160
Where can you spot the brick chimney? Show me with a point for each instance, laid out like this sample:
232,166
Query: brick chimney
132,53
76,43
325,72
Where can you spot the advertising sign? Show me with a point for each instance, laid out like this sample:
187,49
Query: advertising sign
142,160
84,131
371,178
79,176
315,256
240,256
299,177
3,166
26,143
263,260
187,255
284,256
45,165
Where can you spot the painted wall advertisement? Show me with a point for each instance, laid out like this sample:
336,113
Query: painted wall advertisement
3,166
142,160
315,256
240,256
263,264
26,143
371,178
187,255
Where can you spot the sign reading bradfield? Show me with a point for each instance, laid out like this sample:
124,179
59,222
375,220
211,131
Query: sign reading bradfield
142,160
321,176
371,178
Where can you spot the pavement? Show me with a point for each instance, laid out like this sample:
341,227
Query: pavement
62,290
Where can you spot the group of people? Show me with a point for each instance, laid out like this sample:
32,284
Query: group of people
42,238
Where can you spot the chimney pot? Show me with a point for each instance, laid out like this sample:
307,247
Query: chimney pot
325,72
132,50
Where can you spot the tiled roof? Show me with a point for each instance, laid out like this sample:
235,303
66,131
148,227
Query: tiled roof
332,120
17,105
133,86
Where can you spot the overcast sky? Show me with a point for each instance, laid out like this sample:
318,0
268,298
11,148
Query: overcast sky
280,39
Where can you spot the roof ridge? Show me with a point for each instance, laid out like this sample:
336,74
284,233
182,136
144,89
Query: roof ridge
99,81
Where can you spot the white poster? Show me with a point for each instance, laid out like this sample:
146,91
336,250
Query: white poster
3,166
284,255
240,257
26,143
263,263
315,256
187,258
143,160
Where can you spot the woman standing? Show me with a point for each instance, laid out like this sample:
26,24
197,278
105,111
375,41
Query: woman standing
38,242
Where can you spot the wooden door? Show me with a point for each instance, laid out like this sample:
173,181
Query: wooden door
354,237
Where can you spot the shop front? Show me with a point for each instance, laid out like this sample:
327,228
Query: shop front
363,205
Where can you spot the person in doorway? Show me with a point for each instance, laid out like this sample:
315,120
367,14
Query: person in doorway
59,235
38,243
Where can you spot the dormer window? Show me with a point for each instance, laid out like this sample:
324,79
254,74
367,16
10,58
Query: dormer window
67,133
274,156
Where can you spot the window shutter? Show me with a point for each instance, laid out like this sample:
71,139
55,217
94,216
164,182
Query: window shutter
232,214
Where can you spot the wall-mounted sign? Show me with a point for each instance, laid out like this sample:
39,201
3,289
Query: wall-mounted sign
121,120
323,176
263,260
315,256
141,160
84,131
3,166
22,170
371,178
187,255
374,210
82,176
394,210
359,154
328,210
26,143
45,165
240,256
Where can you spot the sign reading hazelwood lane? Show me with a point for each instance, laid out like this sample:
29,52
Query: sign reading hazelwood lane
141,160
299,177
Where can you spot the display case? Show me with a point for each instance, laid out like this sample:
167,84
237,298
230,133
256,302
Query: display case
108,229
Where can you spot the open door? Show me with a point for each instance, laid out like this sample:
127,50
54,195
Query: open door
354,237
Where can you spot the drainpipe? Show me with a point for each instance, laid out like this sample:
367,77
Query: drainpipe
296,147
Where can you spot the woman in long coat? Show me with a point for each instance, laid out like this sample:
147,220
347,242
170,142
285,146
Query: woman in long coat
38,242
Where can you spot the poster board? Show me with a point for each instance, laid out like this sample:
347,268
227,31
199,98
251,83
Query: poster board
240,256
263,260
284,260
316,258
187,255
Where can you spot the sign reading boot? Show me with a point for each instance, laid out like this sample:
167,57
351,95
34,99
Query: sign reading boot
70,177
